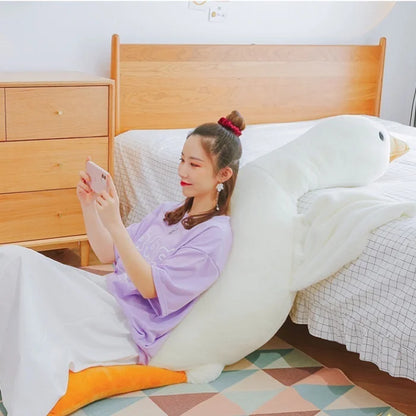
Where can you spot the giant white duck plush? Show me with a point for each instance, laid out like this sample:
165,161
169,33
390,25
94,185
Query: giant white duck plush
254,294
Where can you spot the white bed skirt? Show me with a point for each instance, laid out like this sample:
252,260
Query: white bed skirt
53,318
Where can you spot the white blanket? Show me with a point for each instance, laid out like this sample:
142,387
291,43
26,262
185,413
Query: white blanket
335,230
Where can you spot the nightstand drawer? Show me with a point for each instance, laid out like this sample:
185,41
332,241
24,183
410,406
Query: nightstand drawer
2,116
56,112
39,215
50,122
48,164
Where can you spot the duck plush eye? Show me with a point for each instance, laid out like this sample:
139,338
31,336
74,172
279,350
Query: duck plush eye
381,135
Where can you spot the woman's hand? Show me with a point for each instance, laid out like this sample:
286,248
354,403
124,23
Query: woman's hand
85,194
108,207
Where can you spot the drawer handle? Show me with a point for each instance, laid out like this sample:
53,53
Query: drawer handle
59,112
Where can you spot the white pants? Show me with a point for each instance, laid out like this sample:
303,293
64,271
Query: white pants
53,318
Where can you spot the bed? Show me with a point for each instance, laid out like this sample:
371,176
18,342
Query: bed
162,91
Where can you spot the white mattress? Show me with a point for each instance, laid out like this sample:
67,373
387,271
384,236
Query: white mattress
369,305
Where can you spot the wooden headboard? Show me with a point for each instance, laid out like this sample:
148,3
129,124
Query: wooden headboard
181,86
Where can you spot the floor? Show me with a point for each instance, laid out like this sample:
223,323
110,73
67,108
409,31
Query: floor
398,392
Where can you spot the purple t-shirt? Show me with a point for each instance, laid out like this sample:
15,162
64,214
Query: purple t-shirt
184,264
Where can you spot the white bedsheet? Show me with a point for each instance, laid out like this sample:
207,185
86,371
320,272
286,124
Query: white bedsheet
369,304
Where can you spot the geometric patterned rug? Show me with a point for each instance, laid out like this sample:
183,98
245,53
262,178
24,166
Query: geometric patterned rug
276,380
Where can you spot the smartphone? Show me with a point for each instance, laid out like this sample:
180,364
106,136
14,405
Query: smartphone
98,177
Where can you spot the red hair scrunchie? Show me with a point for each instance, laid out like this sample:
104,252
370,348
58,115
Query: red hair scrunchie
229,125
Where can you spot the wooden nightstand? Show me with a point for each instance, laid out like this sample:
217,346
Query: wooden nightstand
49,123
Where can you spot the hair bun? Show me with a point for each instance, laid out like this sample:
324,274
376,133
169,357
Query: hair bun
237,119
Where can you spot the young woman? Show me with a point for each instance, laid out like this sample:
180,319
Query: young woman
55,318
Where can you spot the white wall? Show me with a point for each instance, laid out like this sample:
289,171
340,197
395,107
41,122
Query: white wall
76,35
399,27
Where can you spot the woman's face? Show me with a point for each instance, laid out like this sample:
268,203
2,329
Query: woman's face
197,171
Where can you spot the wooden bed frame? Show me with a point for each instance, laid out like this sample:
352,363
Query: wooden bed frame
181,86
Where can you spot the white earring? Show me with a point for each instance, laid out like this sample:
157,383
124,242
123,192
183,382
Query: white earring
219,188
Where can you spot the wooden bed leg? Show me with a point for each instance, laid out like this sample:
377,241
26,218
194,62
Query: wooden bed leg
84,250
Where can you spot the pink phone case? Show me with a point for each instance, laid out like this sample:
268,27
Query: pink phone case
98,177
